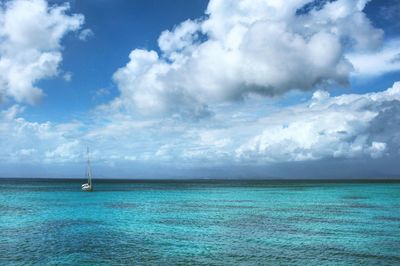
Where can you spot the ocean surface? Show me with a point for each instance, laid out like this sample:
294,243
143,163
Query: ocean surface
199,222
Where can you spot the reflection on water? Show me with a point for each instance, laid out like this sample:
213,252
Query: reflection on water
208,222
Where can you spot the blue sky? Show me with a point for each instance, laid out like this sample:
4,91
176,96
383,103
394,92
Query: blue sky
161,89
119,27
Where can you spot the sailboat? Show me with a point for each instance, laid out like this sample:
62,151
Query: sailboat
88,186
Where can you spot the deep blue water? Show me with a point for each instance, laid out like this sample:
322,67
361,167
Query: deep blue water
208,222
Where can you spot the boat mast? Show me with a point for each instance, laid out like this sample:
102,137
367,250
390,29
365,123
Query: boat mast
88,168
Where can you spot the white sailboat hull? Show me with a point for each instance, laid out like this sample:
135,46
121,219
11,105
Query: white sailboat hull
86,187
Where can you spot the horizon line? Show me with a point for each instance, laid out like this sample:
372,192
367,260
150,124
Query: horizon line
344,179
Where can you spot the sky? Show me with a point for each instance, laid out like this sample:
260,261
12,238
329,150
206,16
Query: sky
200,89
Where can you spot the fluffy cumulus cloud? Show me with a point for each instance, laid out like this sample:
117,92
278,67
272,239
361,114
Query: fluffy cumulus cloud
30,50
245,48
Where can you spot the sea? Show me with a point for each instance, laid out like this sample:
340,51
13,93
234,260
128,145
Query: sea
199,222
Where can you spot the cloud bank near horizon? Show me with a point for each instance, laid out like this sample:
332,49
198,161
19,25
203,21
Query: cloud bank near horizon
352,126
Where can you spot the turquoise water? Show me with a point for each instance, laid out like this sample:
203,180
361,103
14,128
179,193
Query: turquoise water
213,223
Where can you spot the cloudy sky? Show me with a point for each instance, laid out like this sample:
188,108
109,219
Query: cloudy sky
193,89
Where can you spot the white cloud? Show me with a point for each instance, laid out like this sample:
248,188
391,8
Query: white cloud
353,126
379,62
35,142
85,34
377,149
100,95
180,39
30,50
68,151
214,138
328,127
12,112
67,76
243,48
102,92
27,152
